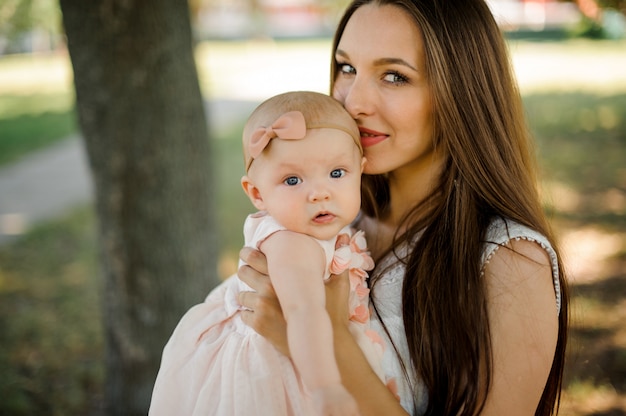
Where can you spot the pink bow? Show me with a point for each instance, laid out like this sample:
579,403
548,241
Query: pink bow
289,126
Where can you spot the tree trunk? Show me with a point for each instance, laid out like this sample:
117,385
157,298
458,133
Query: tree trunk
142,118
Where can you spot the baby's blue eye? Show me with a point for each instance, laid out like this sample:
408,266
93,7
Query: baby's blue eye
292,181
337,173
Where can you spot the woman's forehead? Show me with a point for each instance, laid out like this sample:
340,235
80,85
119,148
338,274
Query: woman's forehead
384,31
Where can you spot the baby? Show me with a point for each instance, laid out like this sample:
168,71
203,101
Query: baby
304,160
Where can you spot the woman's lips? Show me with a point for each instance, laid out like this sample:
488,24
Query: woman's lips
371,137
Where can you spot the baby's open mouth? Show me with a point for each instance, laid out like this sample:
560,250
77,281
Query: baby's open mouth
324,217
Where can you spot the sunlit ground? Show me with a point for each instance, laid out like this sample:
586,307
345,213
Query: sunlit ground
35,74
594,254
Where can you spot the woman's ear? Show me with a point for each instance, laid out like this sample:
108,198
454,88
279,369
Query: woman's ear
253,193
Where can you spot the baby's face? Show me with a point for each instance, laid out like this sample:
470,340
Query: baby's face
311,186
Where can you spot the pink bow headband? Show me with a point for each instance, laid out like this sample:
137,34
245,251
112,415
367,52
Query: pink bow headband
289,126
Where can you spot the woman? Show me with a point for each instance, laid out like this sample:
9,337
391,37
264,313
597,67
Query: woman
468,286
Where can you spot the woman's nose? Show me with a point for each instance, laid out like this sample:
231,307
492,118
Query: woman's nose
355,98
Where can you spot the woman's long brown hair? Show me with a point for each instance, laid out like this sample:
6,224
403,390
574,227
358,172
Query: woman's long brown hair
489,173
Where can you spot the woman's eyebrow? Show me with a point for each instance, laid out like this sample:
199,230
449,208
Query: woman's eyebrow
341,53
395,61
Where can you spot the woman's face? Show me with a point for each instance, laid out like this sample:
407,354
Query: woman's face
381,81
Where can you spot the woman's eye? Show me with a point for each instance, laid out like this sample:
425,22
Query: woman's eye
346,69
395,78
337,173
292,181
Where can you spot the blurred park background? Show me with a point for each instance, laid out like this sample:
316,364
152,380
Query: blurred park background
570,60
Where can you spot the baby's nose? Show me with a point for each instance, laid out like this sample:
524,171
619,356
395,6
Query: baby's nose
319,194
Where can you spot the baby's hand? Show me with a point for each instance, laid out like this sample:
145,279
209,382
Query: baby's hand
334,400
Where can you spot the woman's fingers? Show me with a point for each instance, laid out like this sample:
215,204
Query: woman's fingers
262,309
273,330
257,281
262,312
255,259
254,272
264,315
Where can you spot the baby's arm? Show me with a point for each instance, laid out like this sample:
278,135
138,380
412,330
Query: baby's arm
296,265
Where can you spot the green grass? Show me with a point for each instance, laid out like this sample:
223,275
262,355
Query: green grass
581,141
582,138
32,122
36,103
51,355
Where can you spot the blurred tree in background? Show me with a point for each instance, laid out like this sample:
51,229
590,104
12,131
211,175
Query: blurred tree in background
142,118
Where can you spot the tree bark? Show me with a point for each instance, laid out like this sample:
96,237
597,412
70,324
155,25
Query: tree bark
141,114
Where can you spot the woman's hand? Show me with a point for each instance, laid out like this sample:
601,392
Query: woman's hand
265,315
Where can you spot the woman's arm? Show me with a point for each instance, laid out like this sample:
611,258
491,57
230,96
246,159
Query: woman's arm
372,396
524,324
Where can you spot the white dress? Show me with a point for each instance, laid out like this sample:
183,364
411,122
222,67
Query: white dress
388,300
214,364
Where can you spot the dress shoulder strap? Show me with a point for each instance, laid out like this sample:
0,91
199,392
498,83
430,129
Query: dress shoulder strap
501,231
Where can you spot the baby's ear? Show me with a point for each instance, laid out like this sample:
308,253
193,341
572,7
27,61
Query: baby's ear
363,162
253,193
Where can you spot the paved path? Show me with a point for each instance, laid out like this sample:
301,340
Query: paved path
42,185
47,183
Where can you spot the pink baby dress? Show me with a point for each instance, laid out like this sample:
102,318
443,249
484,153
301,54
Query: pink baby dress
214,364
